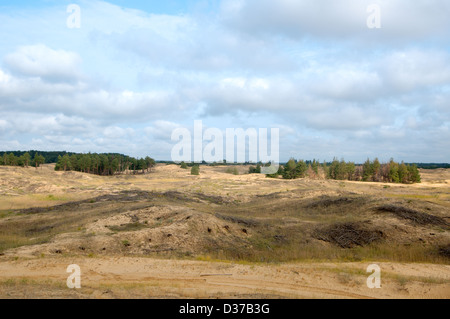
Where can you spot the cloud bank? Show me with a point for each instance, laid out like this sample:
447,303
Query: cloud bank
128,77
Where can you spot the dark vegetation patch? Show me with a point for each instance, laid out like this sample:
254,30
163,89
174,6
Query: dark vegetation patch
39,230
271,196
415,216
280,238
134,218
326,201
238,220
348,235
126,197
38,210
444,251
210,198
127,227
195,198
174,195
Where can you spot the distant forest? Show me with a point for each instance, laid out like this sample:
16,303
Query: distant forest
49,157
104,164
308,162
24,159
114,163
431,165
100,164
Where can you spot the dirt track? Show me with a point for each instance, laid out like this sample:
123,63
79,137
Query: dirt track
153,278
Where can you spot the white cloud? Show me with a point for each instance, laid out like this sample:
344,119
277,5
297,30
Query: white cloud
346,118
44,62
98,15
4,78
349,84
4,125
243,83
161,130
115,132
401,20
416,69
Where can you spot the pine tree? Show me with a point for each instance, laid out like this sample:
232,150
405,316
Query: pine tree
414,175
38,160
26,159
403,173
289,169
325,169
393,172
367,171
150,163
65,162
114,166
12,159
301,169
315,167
376,170
333,170
350,170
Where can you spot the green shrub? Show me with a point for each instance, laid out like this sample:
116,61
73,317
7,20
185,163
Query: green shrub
195,170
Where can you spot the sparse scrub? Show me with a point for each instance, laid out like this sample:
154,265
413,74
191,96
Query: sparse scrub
255,170
195,170
232,170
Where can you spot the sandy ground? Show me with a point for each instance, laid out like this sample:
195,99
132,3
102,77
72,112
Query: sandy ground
33,276
24,188
153,278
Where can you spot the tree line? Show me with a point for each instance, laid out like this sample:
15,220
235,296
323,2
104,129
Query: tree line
100,164
370,171
104,164
111,164
374,171
24,160
49,156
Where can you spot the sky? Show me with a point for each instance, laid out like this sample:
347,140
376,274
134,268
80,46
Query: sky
134,71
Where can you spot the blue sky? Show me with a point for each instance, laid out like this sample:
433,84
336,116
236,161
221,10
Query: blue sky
136,70
151,6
